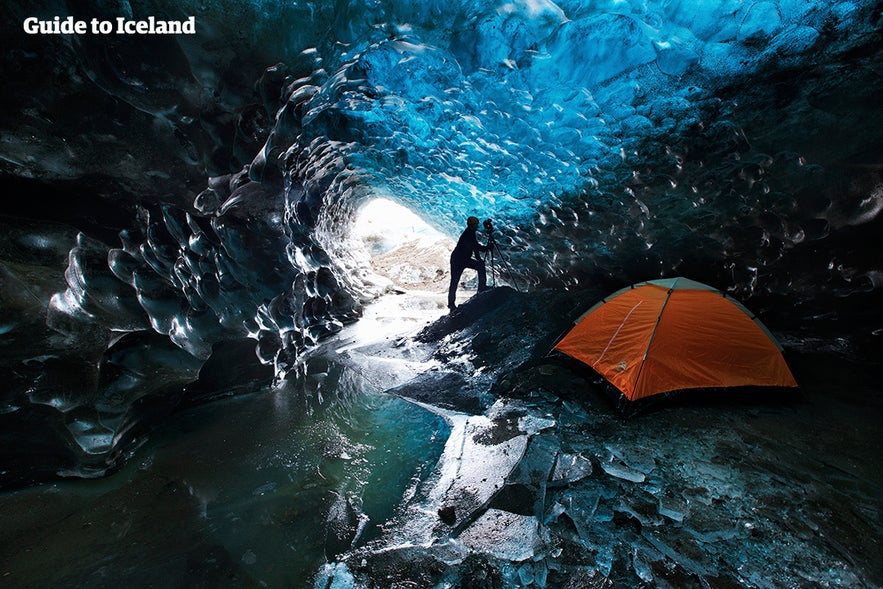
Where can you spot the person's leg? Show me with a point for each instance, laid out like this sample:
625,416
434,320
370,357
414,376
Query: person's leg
456,273
478,266
482,276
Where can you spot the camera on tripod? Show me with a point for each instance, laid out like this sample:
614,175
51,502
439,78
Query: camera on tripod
493,248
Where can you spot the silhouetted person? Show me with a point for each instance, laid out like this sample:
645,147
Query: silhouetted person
466,255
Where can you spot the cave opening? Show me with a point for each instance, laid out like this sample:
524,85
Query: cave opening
400,253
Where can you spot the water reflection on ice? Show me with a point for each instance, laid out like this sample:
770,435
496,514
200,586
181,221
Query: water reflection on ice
253,490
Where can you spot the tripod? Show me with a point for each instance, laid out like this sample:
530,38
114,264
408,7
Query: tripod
495,249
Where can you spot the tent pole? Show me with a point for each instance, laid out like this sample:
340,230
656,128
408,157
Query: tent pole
653,334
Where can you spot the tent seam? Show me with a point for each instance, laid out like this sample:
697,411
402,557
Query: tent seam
653,334
613,337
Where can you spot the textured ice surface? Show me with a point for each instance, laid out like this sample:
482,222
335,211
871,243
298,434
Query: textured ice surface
570,468
503,535
622,471
367,490
180,226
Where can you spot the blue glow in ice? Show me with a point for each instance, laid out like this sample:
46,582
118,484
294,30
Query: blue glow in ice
519,103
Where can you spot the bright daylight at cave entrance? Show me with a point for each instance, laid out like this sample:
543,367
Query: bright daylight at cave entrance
402,247
236,351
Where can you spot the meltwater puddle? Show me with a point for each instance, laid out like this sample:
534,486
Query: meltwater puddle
254,490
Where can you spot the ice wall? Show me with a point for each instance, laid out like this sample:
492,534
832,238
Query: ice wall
206,185
595,133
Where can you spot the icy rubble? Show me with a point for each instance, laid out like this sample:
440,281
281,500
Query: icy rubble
729,492
504,535
538,490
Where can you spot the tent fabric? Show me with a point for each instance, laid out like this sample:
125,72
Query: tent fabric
673,334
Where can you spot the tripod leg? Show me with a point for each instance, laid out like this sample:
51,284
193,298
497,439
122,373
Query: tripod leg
507,267
493,280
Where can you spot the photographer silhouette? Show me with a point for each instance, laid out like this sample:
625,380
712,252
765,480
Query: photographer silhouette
466,255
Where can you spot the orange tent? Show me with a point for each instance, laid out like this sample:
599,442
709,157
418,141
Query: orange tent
673,334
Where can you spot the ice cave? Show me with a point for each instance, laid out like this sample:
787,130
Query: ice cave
226,354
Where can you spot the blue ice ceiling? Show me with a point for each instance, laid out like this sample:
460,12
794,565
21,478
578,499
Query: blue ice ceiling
509,104
589,130
178,193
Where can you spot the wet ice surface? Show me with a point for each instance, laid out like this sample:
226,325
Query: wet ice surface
528,478
252,490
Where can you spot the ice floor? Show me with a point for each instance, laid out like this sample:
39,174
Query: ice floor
431,463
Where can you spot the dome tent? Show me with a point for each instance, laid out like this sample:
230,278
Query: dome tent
673,334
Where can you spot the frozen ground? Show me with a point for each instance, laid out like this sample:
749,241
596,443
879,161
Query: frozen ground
548,486
437,458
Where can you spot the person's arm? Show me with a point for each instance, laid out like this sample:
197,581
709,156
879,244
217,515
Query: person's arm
477,248
487,247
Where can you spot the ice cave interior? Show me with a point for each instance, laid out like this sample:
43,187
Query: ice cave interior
184,230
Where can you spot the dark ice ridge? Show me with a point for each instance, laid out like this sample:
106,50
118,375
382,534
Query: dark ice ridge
139,321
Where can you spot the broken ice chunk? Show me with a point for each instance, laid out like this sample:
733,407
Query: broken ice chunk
540,574
504,535
477,462
570,468
536,464
552,516
682,548
604,559
525,574
634,458
708,525
621,471
334,576
487,454
641,506
672,506
642,567
603,512
534,424
579,510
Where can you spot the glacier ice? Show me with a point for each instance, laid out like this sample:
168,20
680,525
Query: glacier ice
412,492
504,535
183,211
